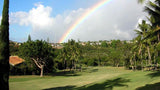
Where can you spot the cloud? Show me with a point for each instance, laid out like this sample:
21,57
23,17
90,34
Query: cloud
43,24
38,18
19,17
101,25
113,21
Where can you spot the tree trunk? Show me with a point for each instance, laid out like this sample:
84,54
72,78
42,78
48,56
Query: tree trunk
142,65
81,67
39,65
158,37
75,67
4,48
72,66
140,49
149,55
64,65
117,65
141,62
135,65
131,61
42,66
146,60
155,63
135,62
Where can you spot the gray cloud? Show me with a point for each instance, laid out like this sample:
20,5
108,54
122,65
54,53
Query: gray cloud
114,21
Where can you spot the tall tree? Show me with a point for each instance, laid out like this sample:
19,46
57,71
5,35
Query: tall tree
63,55
4,47
153,9
29,38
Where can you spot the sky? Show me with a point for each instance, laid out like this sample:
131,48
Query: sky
51,19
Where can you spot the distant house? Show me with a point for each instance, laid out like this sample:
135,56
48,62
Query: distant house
56,45
14,60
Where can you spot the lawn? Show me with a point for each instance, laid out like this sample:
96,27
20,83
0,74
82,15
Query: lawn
92,78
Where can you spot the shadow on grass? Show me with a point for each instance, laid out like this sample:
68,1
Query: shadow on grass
155,86
66,73
61,88
73,73
154,74
107,85
93,70
88,70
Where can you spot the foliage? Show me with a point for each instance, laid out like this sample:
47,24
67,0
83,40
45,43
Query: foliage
146,50
104,44
70,54
40,52
13,48
4,47
100,53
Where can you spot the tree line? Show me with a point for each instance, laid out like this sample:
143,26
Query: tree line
41,57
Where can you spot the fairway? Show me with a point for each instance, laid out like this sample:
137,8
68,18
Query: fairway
92,78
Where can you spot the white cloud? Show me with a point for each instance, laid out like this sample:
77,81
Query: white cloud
38,18
19,17
98,26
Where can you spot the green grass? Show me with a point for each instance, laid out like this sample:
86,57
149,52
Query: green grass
93,78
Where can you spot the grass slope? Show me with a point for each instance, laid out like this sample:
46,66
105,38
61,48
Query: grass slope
93,78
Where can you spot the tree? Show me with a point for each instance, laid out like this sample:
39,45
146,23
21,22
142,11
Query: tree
115,43
104,44
13,48
29,38
70,54
143,44
40,52
4,48
74,52
153,9
63,55
115,56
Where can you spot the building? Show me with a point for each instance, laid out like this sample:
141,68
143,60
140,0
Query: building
15,60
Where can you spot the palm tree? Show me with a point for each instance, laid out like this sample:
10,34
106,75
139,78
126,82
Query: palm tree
142,41
71,52
152,36
133,60
153,9
63,56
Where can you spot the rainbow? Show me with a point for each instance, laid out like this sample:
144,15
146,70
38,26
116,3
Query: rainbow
82,19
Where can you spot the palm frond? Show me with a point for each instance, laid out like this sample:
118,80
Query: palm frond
154,6
138,32
141,1
151,12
